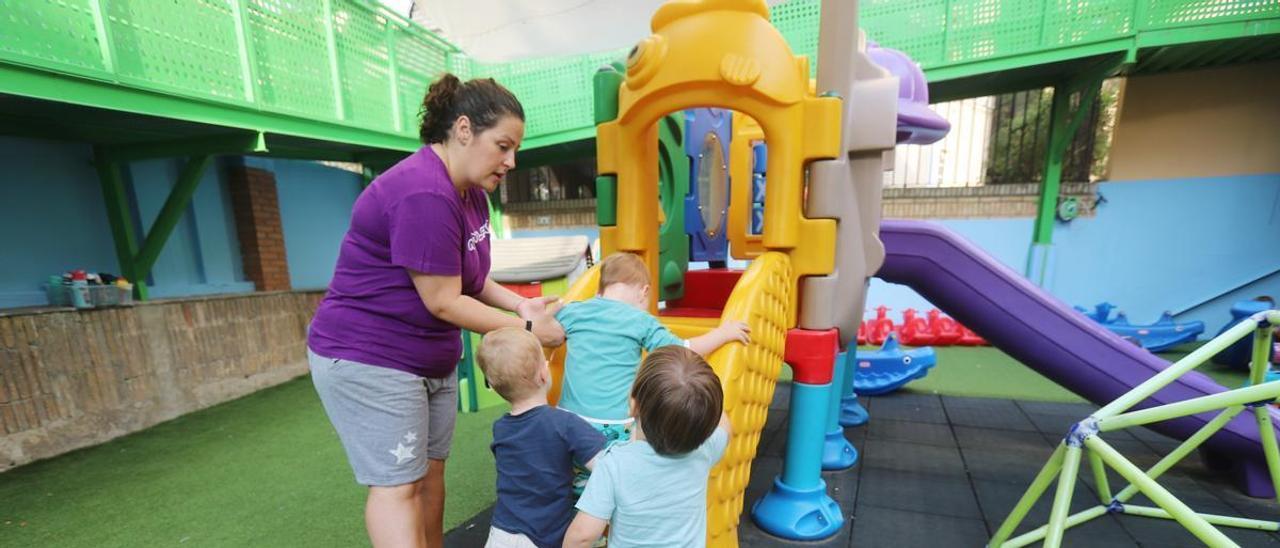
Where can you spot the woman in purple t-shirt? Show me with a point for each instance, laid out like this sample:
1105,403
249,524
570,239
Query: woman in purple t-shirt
413,269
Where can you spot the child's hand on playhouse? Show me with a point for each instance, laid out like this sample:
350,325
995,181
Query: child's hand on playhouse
732,330
537,307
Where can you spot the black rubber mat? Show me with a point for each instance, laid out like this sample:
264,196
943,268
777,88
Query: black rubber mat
945,471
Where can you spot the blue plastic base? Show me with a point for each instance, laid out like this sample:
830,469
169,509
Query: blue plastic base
852,413
837,452
795,514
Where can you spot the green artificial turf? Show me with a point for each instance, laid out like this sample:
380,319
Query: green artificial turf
267,469
264,470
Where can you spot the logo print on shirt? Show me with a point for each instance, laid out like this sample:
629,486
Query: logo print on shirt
478,235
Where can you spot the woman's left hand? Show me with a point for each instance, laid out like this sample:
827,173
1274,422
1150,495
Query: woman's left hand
538,307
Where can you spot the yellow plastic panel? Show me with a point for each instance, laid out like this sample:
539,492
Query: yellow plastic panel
742,243
748,374
715,53
688,328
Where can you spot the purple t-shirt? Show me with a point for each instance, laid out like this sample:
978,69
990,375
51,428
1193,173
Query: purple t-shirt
411,217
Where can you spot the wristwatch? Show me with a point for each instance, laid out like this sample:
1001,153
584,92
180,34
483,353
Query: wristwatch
528,325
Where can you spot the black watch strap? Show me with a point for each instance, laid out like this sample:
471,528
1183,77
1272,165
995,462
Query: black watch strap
528,325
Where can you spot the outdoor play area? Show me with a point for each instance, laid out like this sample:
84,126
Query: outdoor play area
1009,268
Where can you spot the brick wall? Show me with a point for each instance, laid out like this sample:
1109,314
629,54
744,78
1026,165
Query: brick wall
72,379
984,202
257,213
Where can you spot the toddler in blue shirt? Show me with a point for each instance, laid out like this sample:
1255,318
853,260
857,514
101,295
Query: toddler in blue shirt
606,335
535,446
653,490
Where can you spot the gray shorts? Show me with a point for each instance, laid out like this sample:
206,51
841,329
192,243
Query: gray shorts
390,422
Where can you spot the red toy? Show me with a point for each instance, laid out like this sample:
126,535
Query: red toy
914,330
880,327
946,331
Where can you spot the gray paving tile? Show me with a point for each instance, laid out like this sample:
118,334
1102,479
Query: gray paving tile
1005,440
912,457
916,492
910,431
1008,417
901,529
910,409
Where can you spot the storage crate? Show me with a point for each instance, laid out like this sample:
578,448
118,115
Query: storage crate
99,295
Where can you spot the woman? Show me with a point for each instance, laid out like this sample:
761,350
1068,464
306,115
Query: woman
412,270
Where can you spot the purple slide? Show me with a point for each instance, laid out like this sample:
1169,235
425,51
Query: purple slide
1060,343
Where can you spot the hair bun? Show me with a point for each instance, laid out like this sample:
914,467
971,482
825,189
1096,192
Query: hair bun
438,106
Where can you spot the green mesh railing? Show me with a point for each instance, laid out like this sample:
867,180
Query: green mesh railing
356,64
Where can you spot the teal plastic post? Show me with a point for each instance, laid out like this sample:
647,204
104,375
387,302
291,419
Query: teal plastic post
851,412
798,506
837,452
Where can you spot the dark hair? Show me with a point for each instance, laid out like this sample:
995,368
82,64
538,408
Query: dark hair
482,100
678,400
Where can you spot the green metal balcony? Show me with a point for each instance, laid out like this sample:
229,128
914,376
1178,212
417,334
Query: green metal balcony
342,79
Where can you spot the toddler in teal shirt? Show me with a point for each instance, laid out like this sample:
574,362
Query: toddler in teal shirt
653,490
606,335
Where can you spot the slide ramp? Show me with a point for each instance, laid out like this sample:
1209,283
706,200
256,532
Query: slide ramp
1044,333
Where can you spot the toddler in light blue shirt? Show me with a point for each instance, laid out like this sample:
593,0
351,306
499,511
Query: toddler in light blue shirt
653,490
606,335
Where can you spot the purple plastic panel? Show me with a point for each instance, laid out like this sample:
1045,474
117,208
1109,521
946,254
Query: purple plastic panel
917,123
1060,343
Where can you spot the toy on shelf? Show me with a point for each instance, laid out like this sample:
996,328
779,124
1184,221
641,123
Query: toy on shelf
1157,337
890,368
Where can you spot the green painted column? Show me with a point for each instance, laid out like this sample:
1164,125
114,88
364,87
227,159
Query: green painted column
120,219
1063,123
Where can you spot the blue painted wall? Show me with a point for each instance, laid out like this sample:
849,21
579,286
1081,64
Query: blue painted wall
1190,246
52,219
202,255
315,212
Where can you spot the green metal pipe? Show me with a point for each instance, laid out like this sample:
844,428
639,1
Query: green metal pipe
1037,488
1184,449
1229,521
1179,368
1261,359
1038,533
1100,477
1231,398
1269,449
1062,497
1158,494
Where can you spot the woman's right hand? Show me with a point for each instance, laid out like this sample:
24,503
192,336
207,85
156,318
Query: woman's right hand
549,331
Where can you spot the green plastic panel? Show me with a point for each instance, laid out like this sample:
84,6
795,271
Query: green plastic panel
364,63
1159,14
59,35
556,92
188,47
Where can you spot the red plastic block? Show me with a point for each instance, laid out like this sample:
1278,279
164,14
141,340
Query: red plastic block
812,354
708,289
525,290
